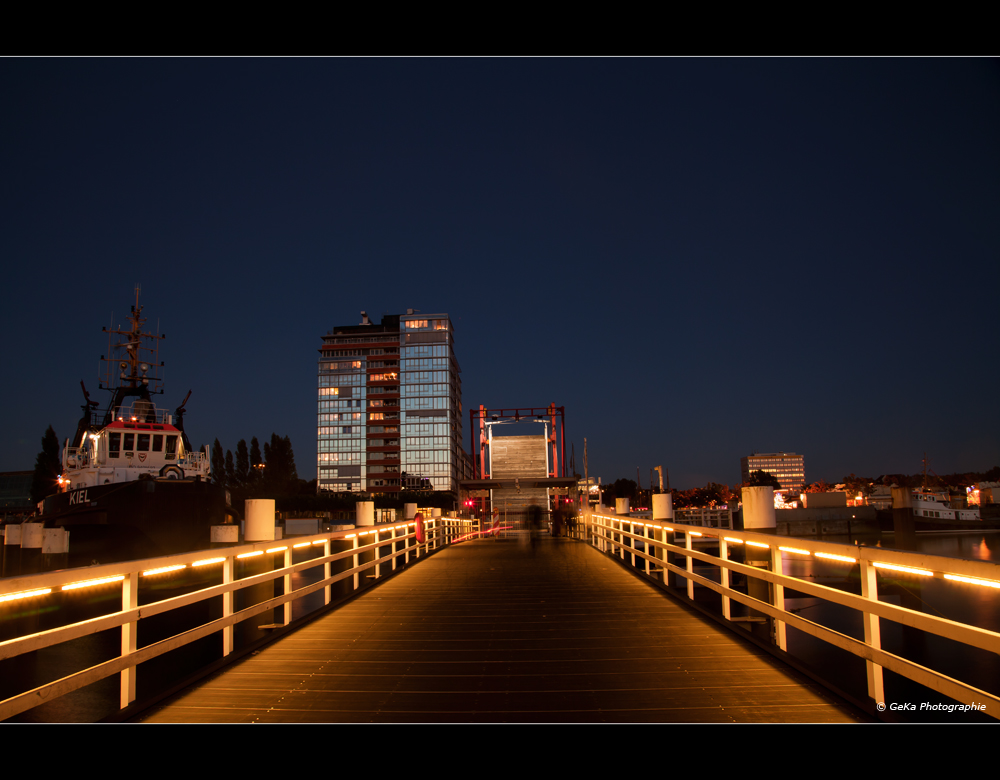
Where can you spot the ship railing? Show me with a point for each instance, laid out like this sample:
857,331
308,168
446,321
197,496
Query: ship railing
142,412
193,459
659,549
77,457
365,556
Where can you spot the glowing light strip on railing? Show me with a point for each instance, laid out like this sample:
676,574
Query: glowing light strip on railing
905,569
277,549
795,550
90,583
833,557
972,580
208,561
164,569
253,554
304,544
24,594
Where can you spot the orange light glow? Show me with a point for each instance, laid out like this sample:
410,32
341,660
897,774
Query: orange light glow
89,583
164,570
833,557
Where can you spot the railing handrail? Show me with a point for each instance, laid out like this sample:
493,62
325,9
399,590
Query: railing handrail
440,532
870,559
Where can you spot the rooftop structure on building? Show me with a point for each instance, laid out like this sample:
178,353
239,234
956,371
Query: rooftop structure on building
390,406
787,467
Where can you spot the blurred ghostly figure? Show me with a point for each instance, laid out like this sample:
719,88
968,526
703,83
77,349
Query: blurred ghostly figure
534,524
558,517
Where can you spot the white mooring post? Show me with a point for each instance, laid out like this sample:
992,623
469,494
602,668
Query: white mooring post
259,514
663,513
758,516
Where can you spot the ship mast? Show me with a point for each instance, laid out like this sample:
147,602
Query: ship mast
132,366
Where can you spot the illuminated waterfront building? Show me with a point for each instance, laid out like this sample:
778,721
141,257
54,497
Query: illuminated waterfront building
390,406
787,467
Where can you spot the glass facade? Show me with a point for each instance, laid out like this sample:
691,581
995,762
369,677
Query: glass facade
390,406
787,467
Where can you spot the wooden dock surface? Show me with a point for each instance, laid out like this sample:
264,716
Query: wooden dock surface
488,632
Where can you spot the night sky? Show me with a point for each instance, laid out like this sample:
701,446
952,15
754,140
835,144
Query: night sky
697,258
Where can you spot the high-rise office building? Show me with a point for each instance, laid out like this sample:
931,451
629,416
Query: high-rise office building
787,467
390,406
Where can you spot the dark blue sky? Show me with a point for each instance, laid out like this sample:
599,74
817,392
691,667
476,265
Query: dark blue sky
697,258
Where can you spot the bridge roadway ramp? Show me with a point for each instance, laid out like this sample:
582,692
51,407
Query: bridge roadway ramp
487,632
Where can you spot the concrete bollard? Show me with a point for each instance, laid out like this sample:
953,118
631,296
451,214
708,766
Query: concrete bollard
364,513
663,511
259,513
758,516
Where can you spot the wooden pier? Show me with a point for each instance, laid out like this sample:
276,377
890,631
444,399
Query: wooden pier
492,632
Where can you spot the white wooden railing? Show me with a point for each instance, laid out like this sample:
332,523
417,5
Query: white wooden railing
366,542
621,536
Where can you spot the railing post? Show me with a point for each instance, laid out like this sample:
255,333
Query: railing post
777,566
378,566
130,600
394,548
631,540
357,581
326,570
689,543
645,544
724,576
228,566
873,631
287,580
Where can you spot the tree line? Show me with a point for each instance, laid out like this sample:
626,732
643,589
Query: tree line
253,474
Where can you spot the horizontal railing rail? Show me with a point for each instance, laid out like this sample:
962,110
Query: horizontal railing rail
609,534
364,541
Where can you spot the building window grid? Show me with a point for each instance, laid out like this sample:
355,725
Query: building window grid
436,461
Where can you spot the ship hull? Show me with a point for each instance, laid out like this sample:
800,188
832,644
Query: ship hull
133,520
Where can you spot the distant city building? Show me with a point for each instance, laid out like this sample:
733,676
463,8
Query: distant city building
390,406
787,467
15,493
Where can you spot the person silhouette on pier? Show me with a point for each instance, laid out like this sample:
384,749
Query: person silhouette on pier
534,525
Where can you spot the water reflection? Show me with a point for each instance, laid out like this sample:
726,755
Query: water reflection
970,604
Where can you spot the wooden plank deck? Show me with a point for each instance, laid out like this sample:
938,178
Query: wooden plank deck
487,632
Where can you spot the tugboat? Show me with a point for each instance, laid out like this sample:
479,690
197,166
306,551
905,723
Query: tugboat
131,484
